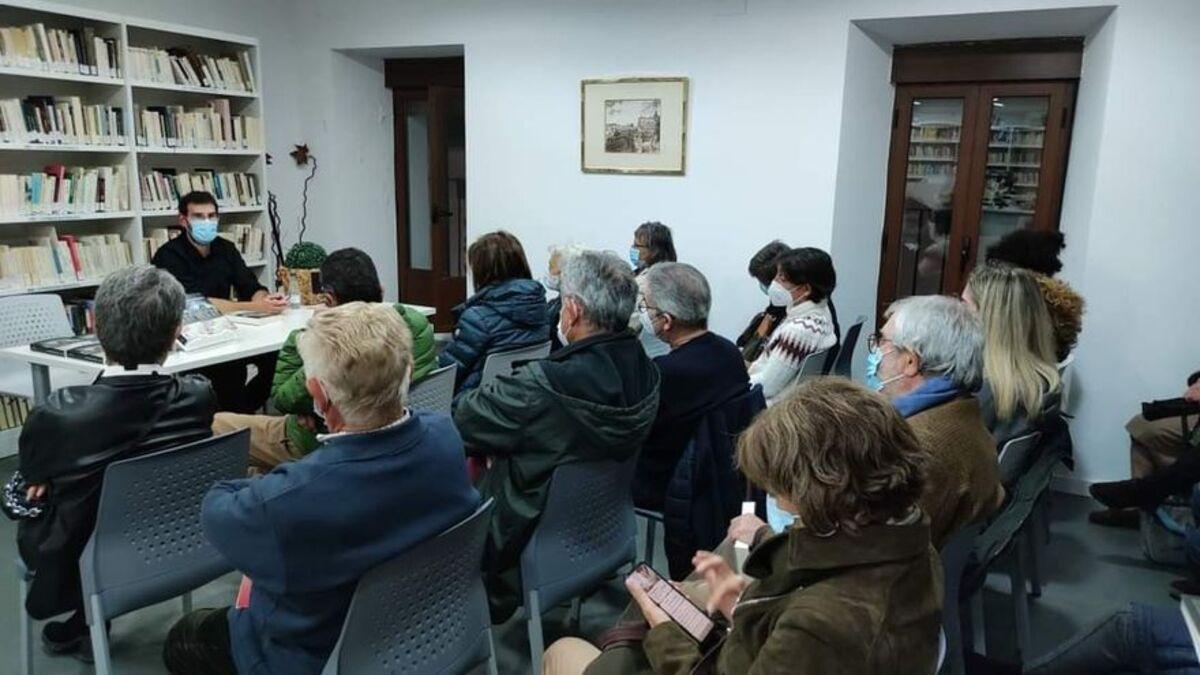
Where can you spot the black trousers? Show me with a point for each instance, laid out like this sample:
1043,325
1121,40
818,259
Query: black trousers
234,393
198,644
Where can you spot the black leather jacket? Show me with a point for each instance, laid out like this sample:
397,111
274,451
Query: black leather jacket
68,442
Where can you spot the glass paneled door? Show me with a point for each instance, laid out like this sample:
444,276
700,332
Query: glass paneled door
969,164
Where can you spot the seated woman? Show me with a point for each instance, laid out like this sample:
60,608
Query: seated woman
652,244
853,587
804,280
508,309
1037,251
762,325
1020,376
132,409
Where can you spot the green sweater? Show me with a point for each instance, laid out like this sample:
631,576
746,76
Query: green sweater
292,397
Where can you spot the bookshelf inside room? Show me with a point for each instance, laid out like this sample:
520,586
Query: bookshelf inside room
104,121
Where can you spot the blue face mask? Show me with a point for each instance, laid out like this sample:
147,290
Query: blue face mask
203,232
874,357
777,518
634,257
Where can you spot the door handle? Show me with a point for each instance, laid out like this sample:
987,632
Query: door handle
964,254
439,213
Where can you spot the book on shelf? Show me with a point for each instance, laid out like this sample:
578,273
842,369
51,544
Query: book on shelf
82,316
208,127
59,50
52,120
61,190
185,67
162,188
84,347
46,258
157,238
247,238
14,410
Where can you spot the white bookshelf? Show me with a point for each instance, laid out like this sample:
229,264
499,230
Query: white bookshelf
125,92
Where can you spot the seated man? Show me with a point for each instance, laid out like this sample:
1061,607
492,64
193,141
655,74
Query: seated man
702,371
211,266
347,275
385,480
594,399
68,441
927,360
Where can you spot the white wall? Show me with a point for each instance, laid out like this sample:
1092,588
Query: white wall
767,156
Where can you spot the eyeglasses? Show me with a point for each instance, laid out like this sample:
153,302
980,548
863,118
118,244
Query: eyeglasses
875,340
643,307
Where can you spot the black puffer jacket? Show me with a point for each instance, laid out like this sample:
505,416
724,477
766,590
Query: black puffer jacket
69,441
504,315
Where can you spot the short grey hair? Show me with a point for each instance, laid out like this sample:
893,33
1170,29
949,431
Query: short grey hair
604,285
138,310
680,290
944,333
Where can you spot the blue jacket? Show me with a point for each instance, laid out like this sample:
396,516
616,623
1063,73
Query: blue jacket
305,532
504,315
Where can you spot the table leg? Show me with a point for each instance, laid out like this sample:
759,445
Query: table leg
41,383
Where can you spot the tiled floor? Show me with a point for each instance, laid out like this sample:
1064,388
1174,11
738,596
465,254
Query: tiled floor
1088,572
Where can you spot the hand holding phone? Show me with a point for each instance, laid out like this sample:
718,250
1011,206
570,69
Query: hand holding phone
672,602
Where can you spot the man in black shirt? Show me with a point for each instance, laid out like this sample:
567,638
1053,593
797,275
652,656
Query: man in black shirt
210,265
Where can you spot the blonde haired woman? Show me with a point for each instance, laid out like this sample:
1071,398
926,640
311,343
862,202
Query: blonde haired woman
1021,381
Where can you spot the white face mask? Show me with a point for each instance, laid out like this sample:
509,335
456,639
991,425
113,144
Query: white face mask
778,295
562,335
550,282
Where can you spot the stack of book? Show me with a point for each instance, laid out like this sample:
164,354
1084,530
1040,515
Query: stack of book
59,50
59,190
46,258
14,410
162,188
211,126
158,237
60,120
185,67
82,315
247,238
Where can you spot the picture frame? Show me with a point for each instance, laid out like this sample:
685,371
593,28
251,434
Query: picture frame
634,125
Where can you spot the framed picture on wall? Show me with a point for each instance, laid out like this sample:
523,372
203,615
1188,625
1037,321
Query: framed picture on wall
634,125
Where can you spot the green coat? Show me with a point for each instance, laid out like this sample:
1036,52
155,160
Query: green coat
853,604
592,400
290,395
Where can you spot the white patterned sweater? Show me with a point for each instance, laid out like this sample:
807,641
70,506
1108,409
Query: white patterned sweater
807,328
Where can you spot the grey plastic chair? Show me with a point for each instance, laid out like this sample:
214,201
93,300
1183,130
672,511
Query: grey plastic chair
843,367
502,363
435,393
1016,456
29,318
813,365
586,533
148,545
425,611
955,554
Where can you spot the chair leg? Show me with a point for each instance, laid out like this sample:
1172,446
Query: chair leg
1030,544
1020,601
978,629
651,531
537,644
26,637
491,665
187,603
952,626
99,639
576,614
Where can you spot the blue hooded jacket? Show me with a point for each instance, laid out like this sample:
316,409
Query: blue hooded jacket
500,316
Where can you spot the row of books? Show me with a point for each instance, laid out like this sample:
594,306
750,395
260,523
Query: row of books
210,126
156,238
162,188
58,189
47,259
60,120
248,239
183,66
82,316
59,50
14,410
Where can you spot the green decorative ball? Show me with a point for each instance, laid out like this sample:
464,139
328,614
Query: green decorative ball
305,255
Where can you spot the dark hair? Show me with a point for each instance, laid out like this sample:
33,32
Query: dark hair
765,263
197,197
657,238
350,275
810,266
1035,250
495,257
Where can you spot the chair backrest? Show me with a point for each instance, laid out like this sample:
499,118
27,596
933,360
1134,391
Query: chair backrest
813,365
501,363
425,611
1064,375
435,393
956,554
29,318
586,531
1017,455
148,545
845,357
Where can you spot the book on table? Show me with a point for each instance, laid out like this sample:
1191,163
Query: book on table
83,347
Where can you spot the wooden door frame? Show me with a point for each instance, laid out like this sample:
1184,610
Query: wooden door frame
897,180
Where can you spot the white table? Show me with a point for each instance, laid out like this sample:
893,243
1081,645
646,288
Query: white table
251,341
